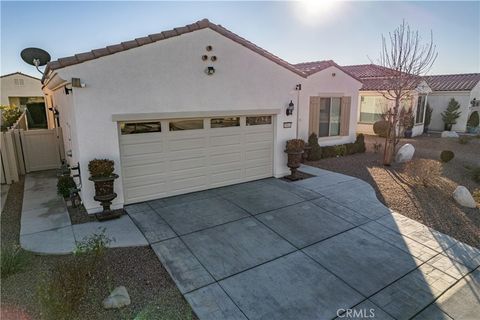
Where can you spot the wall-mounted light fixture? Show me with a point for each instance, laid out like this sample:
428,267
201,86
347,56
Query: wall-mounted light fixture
76,83
67,90
290,108
210,70
298,87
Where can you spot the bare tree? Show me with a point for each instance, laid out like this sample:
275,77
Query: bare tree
407,59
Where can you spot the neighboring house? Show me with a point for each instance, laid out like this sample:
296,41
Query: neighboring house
373,103
192,108
465,88
25,92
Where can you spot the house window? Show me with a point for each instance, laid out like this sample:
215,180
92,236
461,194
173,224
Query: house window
372,108
419,117
140,127
255,121
225,122
329,117
190,124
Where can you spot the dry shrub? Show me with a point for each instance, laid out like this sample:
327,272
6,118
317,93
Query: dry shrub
476,196
422,172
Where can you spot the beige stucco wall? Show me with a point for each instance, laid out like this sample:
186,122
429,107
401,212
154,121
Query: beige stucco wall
438,101
168,76
31,87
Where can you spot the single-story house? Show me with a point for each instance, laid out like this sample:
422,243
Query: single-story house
373,103
192,108
465,88
25,92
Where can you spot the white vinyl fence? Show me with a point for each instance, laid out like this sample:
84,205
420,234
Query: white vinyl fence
24,150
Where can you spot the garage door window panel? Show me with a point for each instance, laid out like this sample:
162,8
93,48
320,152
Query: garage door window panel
188,124
140,127
225,122
258,120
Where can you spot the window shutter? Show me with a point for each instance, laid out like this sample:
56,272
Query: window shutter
345,116
314,116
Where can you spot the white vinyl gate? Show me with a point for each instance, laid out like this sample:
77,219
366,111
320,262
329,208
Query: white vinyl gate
161,164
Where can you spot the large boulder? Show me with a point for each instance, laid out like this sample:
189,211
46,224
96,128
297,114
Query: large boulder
117,299
405,153
449,134
464,197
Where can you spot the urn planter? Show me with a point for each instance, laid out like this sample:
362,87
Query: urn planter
101,174
294,151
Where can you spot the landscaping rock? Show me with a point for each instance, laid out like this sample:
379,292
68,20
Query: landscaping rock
405,153
464,197
449,134
117,299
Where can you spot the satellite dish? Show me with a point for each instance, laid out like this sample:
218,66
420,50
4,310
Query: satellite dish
36,57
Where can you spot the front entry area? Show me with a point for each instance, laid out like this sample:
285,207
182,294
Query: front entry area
161,158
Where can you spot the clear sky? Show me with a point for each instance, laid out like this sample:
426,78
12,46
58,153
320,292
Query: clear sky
347,32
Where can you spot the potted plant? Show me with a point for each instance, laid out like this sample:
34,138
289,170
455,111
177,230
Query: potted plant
451,114
428,118
101,173
473,122
407,122
294,150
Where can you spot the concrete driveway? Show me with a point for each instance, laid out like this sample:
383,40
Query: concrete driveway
320,248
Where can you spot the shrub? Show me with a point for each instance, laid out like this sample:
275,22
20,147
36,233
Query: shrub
315,152
447,155
10,115
381,128
475,173
360,142
451,114
62,291
473,120
13,260
101,167
340,150
351,148
329,152
295,145
463,139
64,184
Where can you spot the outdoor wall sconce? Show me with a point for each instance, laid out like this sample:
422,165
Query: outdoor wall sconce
67,90
290,108
210,71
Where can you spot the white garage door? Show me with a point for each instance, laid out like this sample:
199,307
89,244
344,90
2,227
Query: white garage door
169,157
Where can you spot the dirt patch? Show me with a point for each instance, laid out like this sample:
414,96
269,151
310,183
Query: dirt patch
152,291
421,190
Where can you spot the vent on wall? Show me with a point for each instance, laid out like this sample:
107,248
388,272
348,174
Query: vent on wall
18,82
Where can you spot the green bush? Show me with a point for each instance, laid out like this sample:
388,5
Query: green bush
295,145
463,139
13,260
64,184
65,287
360,142
101,167
328,152
473,120
10,115
340,150
351,148
381,128
446,155
475,172
315,152
451,114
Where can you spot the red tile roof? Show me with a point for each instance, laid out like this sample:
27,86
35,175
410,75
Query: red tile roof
453,82
202,24
369,71
310,68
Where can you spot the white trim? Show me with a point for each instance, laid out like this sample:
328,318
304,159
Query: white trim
192,114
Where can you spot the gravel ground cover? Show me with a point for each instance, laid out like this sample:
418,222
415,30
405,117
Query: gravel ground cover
153,293
422,189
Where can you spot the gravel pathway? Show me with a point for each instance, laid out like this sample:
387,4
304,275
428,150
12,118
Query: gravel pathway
421,190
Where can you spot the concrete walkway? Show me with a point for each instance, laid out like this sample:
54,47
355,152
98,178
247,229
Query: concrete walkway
314,249
46,227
